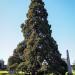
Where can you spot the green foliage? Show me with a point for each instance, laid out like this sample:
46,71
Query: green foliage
22,73
73,67
13,62
21,67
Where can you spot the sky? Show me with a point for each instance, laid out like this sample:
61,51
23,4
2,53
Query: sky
61,16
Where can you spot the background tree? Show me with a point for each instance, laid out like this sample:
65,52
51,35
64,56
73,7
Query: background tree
73,66
38,44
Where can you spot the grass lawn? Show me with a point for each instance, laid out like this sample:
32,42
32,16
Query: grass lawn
73,72
7,73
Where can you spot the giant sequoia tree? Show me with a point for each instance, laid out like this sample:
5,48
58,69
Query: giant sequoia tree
38,45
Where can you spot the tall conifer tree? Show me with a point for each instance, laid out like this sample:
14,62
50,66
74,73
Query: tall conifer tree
38,46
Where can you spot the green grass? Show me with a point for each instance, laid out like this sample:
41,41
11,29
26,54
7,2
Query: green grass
73,72
7,73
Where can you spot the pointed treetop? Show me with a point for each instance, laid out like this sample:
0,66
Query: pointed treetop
36,0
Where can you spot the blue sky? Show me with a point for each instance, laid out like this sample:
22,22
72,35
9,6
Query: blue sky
61,15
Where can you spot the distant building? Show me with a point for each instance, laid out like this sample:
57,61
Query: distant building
2,66
68,64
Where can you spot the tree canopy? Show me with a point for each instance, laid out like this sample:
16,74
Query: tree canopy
38,46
